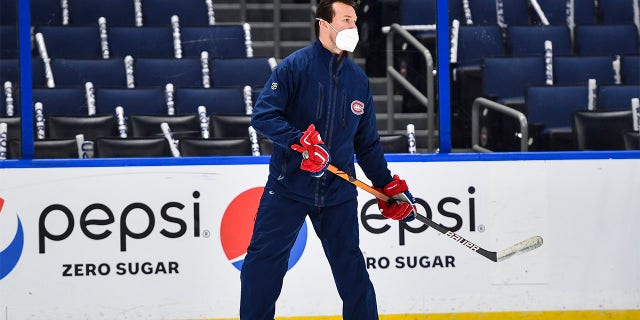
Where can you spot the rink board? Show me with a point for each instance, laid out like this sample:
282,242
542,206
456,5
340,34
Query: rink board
160,242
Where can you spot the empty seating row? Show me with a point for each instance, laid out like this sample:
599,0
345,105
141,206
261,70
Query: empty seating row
118,12
552,12
477,42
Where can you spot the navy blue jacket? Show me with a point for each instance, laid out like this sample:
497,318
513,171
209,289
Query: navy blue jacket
312,86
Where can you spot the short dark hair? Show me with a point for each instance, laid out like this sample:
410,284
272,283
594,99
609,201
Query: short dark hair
326,13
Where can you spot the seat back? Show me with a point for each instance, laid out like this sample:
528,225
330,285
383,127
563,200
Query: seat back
46,149
216,100
141,42
553,106
45,12
14,128
72,42
601,130
61,101
615,11
529,40
630,69
578,70
556,11
484,12
230,126
194,147
240,72
134,101
186,125
509,77
190,12
418,12
606,40
92,127
76,72
9,71
116,12
220,41
185,72
394,143
478,42
131,147
617,96
8,42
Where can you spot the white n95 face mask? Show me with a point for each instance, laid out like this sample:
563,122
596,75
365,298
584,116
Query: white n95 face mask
346,39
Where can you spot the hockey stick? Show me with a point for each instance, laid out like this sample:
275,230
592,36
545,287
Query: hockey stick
524,246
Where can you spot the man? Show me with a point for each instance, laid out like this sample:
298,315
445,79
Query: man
318,89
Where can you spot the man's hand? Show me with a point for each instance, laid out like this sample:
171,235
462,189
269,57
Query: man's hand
402,203
315,157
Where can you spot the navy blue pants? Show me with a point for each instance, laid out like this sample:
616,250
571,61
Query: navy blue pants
276,227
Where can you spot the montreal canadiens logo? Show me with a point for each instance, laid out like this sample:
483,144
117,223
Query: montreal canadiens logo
236,229
10,255
357,107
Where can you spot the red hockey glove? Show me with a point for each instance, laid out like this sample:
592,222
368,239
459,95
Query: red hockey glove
402,204
315,157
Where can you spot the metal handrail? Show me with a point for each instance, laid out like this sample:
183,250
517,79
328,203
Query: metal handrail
475,123
392,73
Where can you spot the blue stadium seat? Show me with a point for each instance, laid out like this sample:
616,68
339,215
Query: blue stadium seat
159,12
550,111
617,96
9,12
630,69
484,12
578,70
65,101
478,42
418,12
216,100
8,42
240,72
9,71
506,79
72,42
601,130
556,11
133,101
220,41
529,40
601,40
87,12
45,12
141,42
615,11
76,72
186,72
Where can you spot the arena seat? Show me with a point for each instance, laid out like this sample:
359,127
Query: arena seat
394,143
92,127
45,12
506,79
630,69
606,40
216,100
478,42
230,125
549,114
601,130
196,147
131,147
185,72
134,101
13,127
615,11
72,42
9,70
141,42
8,42
76,72
484,12
61,101
186,125
46,149
556,11
577,70
220,41
116,12
617,96
529,40
159,12
240,72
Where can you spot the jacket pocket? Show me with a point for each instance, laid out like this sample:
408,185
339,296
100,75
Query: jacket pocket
320,102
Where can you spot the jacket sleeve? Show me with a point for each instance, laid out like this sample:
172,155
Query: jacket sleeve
368,150
268,116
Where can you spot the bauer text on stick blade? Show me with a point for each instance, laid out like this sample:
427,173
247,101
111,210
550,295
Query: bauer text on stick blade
496,256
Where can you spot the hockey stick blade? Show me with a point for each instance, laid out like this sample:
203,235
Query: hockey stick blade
521,247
